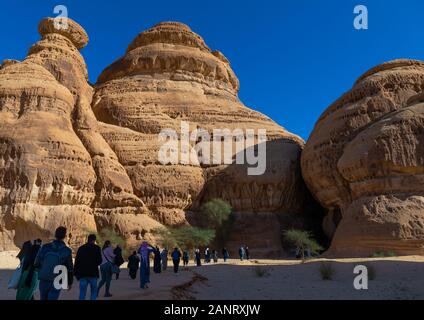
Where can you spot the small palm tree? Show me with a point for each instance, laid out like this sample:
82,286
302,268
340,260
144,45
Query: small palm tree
303,241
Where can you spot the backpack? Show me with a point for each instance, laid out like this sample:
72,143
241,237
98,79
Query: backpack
52,258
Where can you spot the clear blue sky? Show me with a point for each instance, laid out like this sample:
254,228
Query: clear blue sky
293,58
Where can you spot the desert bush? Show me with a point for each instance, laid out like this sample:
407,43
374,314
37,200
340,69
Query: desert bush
383,254
113,237
192,237
216,212
327,271
260,272
186,237
165,238
303,241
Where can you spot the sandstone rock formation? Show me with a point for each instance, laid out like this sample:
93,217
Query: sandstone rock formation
364,163
88,158
169,75
55,167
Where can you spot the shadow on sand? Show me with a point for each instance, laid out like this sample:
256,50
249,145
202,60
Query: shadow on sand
267,280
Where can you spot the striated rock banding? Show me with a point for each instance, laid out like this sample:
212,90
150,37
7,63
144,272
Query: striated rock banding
169,75
87,158
55,167
364,163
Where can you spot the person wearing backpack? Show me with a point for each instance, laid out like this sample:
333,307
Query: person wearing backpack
87,262
53,254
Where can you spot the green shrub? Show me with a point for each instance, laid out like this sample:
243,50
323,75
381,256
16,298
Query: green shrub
303,241
327,271
192,237
166,239
383,254
216,212
186,237
113,237
260,272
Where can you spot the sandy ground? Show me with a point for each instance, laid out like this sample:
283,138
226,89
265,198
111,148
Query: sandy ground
395,278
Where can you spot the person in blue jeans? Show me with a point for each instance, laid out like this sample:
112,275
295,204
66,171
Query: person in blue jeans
53,254
86,269
106,268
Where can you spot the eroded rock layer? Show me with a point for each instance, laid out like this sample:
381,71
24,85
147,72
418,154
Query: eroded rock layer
364,163
89,158
55,167
167,76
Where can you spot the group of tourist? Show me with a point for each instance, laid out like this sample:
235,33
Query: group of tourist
212,255
244,253
39,262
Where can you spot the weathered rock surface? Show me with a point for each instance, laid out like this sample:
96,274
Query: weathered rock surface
169,75
364,163
89,158
55,167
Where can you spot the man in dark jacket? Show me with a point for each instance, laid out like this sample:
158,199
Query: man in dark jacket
87,262
176,258
133,265
52,261
119,259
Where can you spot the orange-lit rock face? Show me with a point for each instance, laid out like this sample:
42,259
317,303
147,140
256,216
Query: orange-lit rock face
88,157
364,162
55,167
169,75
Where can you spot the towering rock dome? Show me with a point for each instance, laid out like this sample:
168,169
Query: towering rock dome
88,158
364,162
55,167
167,76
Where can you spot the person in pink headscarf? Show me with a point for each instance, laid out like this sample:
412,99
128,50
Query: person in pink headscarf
144,252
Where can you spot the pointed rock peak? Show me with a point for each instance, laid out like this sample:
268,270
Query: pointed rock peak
69,29
169,33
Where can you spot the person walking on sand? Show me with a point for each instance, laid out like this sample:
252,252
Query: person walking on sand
225,254
87,262
164,259
156,261
119,260
246,253
133,265
26,247
207,255
106,268
241,253
53,254
144,252
215,256
197,257
185,258
176,258
29,277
